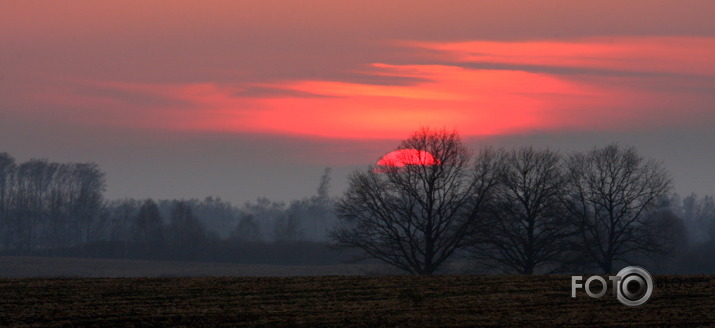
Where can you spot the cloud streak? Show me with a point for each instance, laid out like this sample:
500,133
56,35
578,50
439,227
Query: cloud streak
584,84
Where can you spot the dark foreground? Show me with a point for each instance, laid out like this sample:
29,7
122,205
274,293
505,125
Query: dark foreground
451,301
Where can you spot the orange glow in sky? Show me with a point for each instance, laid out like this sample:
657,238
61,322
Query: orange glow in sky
584,85
476,87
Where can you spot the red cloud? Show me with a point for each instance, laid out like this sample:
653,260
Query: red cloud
619,83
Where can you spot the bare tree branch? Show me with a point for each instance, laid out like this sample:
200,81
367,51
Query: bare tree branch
611,190
415,217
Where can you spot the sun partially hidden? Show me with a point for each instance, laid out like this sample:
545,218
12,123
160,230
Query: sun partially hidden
404,157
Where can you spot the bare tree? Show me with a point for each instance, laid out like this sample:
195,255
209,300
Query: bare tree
324,185
309,218
185,229
415,217
527,229
30,214
86,195
247,229
218,215
148,226
668,230
7,182
698,213
287,227
45,204
264,213
121,222
611,190
321,210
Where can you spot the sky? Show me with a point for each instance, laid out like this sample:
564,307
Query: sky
246,99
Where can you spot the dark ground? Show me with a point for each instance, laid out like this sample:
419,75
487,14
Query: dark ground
336,301
66,267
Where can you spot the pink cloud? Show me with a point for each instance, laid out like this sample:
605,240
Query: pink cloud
623,83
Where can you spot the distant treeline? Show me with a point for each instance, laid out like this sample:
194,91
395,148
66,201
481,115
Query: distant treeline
697,249
59,209
45,204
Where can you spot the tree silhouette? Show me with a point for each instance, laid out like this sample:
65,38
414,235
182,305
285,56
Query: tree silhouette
185,229
611,191
415,217
527,227
149,224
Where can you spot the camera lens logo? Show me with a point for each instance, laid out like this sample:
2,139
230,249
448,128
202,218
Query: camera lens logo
634,287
